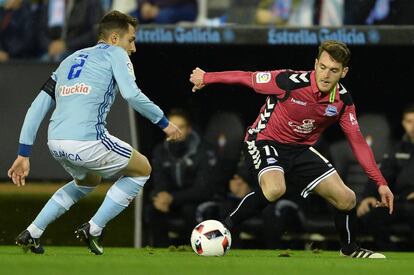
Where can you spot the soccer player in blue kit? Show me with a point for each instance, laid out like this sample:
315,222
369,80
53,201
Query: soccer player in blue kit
82,90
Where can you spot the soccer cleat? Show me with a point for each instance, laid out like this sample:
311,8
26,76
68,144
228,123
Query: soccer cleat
27,242
363,253
93,242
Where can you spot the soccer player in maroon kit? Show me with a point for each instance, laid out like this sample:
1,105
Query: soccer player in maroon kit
299,107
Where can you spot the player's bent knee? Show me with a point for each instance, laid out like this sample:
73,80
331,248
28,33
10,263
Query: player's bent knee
347,202
138,166
272,190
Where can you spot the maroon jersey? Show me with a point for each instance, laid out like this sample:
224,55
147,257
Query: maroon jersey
296,112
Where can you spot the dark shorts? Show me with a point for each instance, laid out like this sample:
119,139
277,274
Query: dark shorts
302,165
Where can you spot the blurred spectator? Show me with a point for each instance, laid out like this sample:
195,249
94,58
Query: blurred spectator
286,12
167,11
125,6
181,180
331,13
398,168
67,26
361,12
379,12
16,34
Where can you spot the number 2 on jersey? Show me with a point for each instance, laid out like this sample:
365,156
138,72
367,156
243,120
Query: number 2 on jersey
76,69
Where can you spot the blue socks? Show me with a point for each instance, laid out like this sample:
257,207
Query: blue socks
58,204
118,197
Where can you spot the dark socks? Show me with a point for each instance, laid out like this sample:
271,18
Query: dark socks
346,226
250,205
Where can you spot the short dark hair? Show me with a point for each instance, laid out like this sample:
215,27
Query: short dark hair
180,113
408,109
337,50
115,21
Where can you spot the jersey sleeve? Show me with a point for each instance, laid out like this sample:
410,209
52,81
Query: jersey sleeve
123,71
359,146
271,83
44,101
261,82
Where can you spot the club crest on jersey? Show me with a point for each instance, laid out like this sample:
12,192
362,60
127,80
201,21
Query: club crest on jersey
263,77
331,110
78,88
130,68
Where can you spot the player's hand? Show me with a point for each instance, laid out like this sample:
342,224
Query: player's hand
4,56
173,132
162,201
410,196
197,78
57,47
366,205
387,198
19,170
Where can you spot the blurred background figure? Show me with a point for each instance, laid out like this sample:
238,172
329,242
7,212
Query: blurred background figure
397,167
67,26
181,180
125,6
331,13
361,12
286,12
16,34
378,12
167,11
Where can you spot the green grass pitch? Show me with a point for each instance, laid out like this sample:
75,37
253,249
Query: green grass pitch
119,261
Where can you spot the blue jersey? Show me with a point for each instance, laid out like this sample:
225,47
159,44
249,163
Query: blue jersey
86,85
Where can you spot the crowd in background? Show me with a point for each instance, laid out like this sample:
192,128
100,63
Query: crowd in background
50,30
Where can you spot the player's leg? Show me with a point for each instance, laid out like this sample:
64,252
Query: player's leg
262,158
61,200
333,189
135,170
122,192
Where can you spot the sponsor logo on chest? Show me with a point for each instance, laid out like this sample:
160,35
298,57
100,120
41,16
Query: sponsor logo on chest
307,126
78,88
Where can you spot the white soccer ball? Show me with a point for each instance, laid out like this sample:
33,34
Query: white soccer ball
210,238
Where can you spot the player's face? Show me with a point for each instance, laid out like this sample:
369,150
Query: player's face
182,124
328,72
408,124
127,41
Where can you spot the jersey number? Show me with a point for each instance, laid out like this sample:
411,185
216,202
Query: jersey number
76,69
268,152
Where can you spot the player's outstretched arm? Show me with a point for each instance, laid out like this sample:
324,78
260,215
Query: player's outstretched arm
44,101
197,78
172,132
19,170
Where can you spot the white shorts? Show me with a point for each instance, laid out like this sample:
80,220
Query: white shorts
105,157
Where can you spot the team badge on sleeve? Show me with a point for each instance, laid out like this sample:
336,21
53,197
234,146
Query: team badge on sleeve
263,77
130,68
